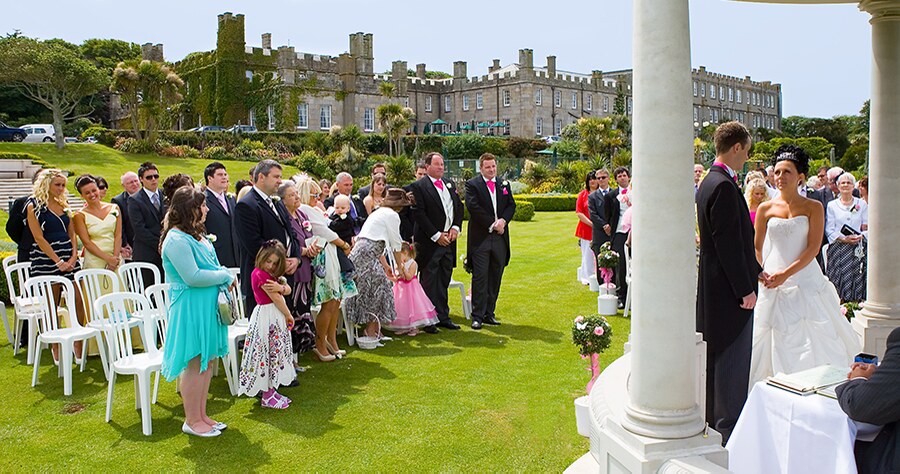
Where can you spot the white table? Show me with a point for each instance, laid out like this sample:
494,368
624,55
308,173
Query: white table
782,432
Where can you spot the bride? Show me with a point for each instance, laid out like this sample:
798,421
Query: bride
798,322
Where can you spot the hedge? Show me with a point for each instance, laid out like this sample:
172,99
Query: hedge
10,155
550,202
524,211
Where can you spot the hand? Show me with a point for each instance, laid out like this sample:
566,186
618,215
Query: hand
500,226
126,251
453,234
312,251
272,287
749,301
291,265
776,279
443,240
854,239
606,229
860,369
347,250
289,322
233,285
764,277
390,275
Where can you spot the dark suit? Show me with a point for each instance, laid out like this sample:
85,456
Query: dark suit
358,206
487,250
612,210
17,228
435,262
147,224
407,220
598,219
728,272
877,401
257,223
222,225
121,200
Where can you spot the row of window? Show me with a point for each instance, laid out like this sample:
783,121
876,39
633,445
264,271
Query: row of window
324,117
733,95
714,115
539,126
506,97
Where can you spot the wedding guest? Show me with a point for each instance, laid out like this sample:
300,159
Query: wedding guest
146,210
99,226
584,229
102,186
195,336
755,194
376,194
340,220
343,184
407,219
131,184
599,234
172,183
814,183
414,309
240,185
373,274
615,204
220,220
864,189
698,175
847,266
332,285
377,168
17,226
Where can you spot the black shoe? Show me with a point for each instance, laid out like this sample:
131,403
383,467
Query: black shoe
294,383
448,325
476,325
621,305
492,321
430,329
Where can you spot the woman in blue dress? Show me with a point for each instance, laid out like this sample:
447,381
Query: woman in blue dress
194,337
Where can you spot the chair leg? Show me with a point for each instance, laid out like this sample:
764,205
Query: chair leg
156,386
348,327
37,363
137,393
32,340
109,396
17,333
65,363
103,355
143,381
84,346
627,303
462,294
229,375
9,336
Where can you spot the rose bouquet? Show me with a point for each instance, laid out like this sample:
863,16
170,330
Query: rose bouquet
607,260
592,334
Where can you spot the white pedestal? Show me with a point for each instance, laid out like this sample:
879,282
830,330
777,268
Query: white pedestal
873,332
607,305
594,285
607,289
583,415
622,451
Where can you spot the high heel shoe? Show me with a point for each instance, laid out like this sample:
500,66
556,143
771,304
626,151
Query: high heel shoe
337,352
328,358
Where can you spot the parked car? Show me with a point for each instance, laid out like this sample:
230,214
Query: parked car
39,132
11,134
242,129
551,139
208,128
70,140
91,140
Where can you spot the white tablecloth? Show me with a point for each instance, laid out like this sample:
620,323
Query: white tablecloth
781,432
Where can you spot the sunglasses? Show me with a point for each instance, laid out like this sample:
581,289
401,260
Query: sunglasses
602,177
316,195
151,176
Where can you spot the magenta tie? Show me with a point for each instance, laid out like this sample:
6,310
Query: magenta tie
439,184
490,185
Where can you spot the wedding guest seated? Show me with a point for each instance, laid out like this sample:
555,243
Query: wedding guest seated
873,396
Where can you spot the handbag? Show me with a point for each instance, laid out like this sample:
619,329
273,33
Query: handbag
848,231
226,310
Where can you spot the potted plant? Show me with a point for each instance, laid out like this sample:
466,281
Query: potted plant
607,261
592,334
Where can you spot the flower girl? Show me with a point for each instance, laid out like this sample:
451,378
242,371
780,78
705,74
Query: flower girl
414,309
267,356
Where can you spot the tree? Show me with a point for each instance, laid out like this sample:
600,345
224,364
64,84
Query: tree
146,90
393,120
600,136
50,74
386,89
107,53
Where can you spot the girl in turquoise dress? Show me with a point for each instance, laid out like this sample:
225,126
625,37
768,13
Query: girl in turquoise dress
194,336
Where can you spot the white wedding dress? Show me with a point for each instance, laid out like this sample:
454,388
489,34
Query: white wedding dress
797,325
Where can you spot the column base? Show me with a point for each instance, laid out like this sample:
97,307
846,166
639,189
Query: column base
873,331
622,451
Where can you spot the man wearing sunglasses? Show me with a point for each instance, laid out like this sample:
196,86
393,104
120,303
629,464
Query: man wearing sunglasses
146,210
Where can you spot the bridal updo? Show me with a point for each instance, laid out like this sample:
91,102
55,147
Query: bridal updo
795,155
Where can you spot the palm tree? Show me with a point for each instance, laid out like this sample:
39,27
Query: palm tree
387,89
393,120
146,90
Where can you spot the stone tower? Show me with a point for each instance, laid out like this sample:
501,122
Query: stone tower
230,66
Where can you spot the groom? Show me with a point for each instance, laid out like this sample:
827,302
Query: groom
726,289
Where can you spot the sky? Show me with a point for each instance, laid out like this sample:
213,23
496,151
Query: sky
821,54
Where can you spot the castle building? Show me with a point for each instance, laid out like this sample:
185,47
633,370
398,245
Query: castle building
282,89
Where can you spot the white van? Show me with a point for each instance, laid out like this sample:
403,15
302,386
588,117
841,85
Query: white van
38,132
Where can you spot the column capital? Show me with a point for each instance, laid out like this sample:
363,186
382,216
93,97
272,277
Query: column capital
881,9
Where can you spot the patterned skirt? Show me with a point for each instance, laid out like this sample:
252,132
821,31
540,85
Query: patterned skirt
376,295
266,363
303,334
847,268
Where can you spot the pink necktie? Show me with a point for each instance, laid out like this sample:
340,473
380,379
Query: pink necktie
439,184
223,202
490,185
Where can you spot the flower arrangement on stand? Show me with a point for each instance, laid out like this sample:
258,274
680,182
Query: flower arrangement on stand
592,334
607,261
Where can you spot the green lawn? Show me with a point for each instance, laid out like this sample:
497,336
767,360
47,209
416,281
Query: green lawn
495,400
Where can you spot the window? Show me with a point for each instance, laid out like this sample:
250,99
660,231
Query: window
506,98
252,118
447,101
574,100
428,103
712,91
695,88
721,92
702,89
557,98
369,120
629,103
466,102
538,96
506,128
479,100
590,102
731,94
270,110
406,101
249,74
539,126
696,114
302,115
605,103
739,99
557,127
325,117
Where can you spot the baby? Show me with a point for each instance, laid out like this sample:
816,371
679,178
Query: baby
341,221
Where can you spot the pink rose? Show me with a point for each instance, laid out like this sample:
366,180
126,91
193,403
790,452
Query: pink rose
579,319
843,310
598,330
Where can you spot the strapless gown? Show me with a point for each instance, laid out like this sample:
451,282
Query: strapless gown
799,324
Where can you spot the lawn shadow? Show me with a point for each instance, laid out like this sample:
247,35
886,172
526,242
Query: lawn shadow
87,384
466,337
520,332
164,428
207,455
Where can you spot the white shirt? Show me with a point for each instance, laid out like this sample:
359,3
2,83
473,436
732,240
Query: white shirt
447,202
150,195
493,195
383,224
838,214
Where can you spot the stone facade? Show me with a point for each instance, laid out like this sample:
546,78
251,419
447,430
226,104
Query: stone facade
282,89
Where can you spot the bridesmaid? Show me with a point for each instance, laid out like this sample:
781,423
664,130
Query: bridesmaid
99,226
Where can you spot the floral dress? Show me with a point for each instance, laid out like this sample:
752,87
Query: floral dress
267,361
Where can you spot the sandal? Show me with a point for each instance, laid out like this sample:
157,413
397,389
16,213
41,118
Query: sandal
274,402
288,400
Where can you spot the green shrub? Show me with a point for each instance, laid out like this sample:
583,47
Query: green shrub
552,185
535,173
374,144
216,153
133,145
94,131
552,202
400,169
524,211
496,146
525,147
465,147
179,151
311,163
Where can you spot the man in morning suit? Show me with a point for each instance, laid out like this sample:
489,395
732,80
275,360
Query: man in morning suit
599,235
438,212
873,396
614,208
220,218
491,207
727,284
132,184
407,219
260,219
146,210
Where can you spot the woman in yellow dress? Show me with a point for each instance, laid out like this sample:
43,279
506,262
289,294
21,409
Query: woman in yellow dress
99,226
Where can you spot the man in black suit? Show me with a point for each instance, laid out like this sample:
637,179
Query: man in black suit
344,182
614,208
377,168
407,219
726,288
599,233
491,207
873,396
260,219
438,212
220,218
131,184
146,210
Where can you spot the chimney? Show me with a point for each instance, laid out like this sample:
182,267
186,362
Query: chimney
459,70
495,66
526,59
267,40
596,77
551,67
420,71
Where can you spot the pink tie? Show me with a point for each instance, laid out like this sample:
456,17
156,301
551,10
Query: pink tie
439,184
490,185
223,202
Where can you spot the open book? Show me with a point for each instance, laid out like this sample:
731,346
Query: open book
808,381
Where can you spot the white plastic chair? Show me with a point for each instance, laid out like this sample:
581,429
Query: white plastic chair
23,307
133,279
466,303
41,289
158,296
627,253
237,332
11,260
124,361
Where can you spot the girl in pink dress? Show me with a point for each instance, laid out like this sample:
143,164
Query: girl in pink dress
414,309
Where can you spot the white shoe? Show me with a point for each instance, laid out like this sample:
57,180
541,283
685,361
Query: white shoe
186,429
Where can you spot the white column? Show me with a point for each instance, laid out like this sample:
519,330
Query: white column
661,395
881,312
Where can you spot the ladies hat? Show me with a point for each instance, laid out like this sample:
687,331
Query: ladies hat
397,197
